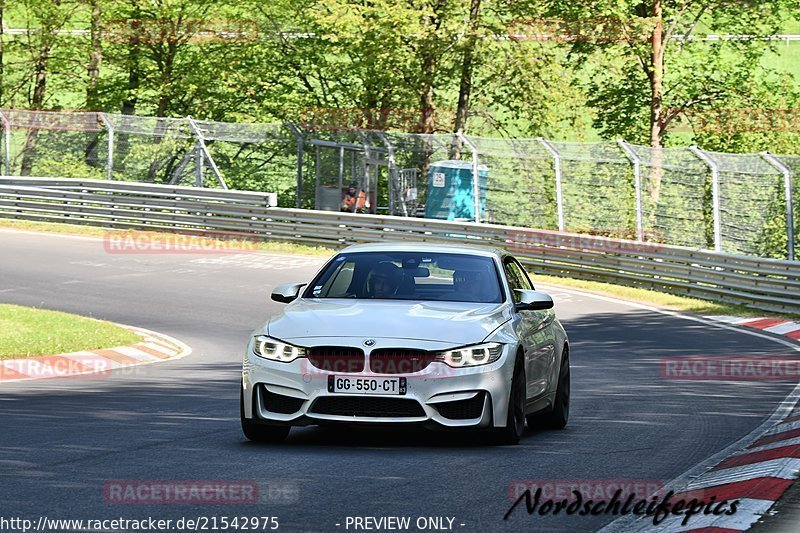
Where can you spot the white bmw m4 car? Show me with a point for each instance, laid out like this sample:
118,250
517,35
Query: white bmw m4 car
444,336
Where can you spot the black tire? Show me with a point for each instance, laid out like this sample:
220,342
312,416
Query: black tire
515,422
558,416
260,432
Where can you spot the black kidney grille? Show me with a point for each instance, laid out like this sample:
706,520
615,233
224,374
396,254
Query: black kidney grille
342,359
462,409
370,406
399,360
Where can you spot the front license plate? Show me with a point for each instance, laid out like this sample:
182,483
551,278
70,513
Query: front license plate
353,385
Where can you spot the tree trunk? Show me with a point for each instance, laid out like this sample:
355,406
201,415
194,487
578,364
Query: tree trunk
465,86
467,64
133,67
427,105
134,74
95,56
93,73
2,8
37,102
657,97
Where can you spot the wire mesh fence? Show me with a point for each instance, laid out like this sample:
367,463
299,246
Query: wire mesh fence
598,189
675,204
751,203
792,163
149,149
521,189
739,203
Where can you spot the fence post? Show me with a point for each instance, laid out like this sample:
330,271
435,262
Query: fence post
787,185
714,167
557,168
110,156
198,164
637,185
7,141
201,151
300,147
476,189
394,178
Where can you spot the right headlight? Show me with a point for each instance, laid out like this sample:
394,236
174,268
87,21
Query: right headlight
276,350
478,354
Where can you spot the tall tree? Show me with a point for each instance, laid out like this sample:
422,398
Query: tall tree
467,66
95,54
2,38
44,19
649,59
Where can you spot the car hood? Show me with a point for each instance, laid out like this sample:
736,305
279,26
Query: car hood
451,322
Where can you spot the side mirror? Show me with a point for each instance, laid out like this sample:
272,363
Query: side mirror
533,301
287,293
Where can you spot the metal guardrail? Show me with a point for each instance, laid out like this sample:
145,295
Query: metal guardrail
765,284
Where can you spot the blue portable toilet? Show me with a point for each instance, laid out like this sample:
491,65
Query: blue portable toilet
450,190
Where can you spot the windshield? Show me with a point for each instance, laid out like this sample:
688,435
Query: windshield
409,276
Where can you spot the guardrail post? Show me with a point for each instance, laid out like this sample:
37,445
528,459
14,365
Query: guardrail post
787,186
6,141
110,156
476,188
637,185
559,190
300,147
201,151
714,167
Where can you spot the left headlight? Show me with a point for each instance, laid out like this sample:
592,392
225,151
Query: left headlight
480,354
276,350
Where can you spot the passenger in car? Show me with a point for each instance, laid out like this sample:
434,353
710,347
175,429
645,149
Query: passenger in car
472,286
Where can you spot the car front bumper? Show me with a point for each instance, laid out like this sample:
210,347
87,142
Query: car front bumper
297,393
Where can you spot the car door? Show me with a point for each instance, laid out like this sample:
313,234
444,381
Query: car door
536,333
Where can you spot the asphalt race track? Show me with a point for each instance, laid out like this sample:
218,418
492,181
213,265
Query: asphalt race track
63,440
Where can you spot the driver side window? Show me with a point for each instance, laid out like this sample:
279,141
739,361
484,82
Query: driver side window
514,281
517,279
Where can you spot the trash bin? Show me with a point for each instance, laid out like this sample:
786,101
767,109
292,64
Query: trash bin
450,191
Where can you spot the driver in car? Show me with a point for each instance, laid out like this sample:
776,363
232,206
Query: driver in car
385,280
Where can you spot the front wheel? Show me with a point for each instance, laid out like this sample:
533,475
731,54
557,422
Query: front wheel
260,432
515,421
558,417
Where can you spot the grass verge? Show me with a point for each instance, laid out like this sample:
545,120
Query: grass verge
658,299
28,332
210,242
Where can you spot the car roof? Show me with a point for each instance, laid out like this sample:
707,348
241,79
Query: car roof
486,251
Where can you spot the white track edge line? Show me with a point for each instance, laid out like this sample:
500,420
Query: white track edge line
785,406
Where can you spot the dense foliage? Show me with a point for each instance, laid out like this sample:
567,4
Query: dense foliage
565,70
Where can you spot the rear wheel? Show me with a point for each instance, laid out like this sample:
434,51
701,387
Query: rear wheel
557,417
515,421
260,432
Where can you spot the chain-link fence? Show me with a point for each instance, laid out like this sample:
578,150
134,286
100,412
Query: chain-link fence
740,203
